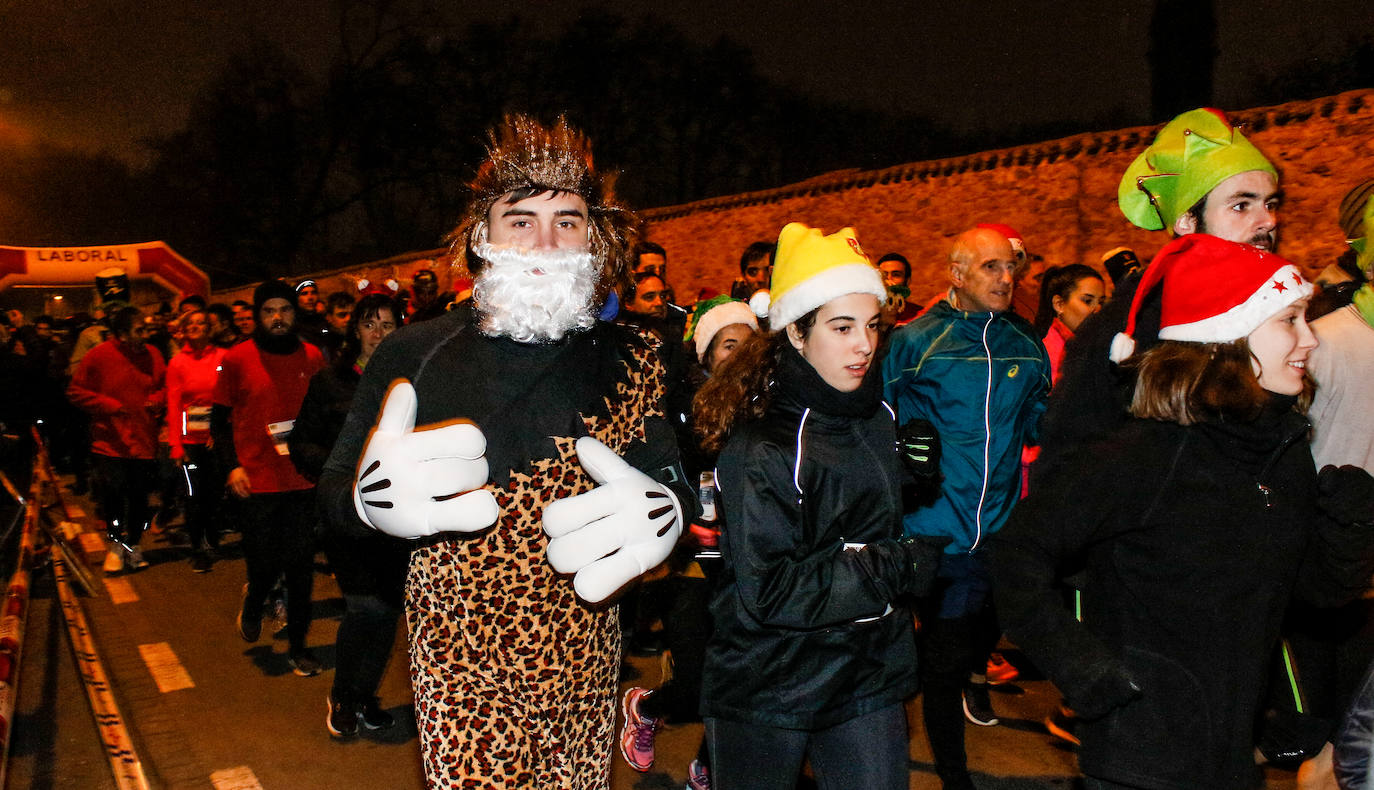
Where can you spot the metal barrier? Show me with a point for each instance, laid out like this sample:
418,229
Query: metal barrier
67,566
13,619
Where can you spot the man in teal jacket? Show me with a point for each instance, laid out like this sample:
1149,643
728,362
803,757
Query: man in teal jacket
976,371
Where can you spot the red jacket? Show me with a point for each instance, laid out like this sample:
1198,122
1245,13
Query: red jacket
121,389
265,391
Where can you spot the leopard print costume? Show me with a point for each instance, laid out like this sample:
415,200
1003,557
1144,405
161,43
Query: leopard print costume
515,679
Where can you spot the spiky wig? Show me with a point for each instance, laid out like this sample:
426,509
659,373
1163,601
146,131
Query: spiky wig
528,158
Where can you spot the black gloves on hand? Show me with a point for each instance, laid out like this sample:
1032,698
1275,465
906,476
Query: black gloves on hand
1346,494
1114,688
923,552
918,445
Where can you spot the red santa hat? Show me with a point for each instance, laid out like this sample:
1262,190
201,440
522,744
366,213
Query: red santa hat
1018,244
1215,291
388,287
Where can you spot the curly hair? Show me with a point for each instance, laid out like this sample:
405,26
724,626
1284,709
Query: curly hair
526,158
742,389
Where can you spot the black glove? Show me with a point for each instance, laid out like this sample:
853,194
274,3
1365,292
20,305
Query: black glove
923,552
918,444
1114,688
1346,494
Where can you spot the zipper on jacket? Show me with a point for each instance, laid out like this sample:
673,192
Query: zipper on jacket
894,498
1274,458
987,438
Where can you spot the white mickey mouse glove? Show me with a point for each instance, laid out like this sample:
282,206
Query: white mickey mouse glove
411,483
614,533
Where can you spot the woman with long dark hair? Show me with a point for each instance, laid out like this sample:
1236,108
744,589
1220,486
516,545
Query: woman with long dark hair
370,567
813,651
1195,524
1068,295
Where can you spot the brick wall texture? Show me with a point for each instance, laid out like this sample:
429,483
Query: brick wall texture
1060,194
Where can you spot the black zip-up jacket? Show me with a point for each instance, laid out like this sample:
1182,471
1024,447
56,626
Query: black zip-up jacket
371,563
807,634
1194,539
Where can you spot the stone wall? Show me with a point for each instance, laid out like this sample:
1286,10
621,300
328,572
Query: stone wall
1060,194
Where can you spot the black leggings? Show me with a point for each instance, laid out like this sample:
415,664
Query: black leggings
203,484
868,751
122,487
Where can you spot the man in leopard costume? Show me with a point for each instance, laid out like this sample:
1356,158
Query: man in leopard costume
544,478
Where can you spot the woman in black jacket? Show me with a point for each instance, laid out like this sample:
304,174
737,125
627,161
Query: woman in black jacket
1207,519
370,568
813,651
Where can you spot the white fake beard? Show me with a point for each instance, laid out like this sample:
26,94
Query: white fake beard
532,296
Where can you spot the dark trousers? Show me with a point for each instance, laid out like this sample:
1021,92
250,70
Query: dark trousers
122,488
202,483
364,644
687,628
945,659
952,649
279,540
868,751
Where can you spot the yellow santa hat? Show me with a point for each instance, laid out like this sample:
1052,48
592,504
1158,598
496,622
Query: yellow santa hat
811,268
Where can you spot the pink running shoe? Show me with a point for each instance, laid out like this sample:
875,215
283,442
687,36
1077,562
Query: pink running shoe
637,737
698,778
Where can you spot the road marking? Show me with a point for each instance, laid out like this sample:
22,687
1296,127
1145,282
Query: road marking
120,590
91,542
165,667
240,778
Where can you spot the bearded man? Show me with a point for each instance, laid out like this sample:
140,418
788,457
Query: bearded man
546,455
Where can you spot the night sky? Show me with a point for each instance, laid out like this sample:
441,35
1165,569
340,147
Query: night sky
102,74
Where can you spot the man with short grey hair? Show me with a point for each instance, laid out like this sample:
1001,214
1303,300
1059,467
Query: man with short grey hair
975,372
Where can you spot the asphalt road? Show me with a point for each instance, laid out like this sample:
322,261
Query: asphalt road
230,715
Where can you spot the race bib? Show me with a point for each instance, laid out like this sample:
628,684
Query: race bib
280,432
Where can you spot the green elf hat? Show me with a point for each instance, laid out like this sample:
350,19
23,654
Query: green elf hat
1189,157
1362,245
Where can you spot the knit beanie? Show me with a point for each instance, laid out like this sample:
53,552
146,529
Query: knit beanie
272,289
1189,157
810,269
711,316
1120,263
1215,291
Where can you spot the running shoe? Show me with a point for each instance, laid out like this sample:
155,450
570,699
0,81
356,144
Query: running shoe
1000,670
305,664
698,778
977,705
1062,723
250,627
342,720
637,738
373,717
